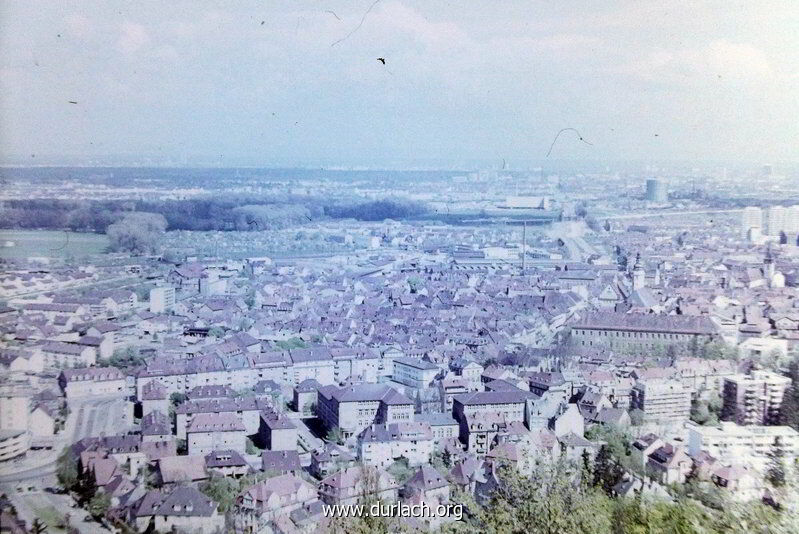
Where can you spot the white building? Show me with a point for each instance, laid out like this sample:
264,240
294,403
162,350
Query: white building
414,372
162,299
751,444
751,217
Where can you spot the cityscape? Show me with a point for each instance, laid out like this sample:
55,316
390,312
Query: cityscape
577,335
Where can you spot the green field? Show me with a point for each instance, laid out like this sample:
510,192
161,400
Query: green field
49,244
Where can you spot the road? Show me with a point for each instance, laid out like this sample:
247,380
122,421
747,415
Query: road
92,417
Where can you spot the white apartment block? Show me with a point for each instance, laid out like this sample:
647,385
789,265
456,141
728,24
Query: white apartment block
414,372
738,444
662,401
162,299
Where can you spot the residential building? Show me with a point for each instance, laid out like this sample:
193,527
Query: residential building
414,372
641,331
754,398
92,381
662,401
354,408
162,299
208,432
751,444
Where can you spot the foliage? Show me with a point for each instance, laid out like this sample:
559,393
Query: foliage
231,212
124,358
636,417
216,331
137,233
251,448
291,343
223,490
789,412
177,398
606,471
401,471
334,436
99,504
67,469
776,466
38,527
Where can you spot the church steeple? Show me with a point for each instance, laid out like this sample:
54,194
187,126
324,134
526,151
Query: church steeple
768,265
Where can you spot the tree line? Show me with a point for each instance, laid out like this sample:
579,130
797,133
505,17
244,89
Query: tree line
204,214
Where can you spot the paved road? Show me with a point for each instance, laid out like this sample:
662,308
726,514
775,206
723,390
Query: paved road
92,417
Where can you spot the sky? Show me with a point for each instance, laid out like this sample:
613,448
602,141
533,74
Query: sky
266,81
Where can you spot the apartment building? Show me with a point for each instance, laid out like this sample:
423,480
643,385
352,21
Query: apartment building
739,444
414,372
354,408
92,381
381,445
754,399
209,432
662,401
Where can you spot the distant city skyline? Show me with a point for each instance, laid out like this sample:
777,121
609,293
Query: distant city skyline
300,84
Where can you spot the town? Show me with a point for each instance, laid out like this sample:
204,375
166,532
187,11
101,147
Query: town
181,385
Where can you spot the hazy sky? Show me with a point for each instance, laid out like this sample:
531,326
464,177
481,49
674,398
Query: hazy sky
464,79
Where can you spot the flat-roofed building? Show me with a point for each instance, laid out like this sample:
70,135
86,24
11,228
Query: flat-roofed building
662,401
754,399
751,444
414,372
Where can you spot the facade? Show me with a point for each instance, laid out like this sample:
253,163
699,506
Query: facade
656,191
381,445
751,218
60,354
209,432
247,409
662,401
414,372
349,485
92,381
641,331
263,502
743,444
354,408
162,299
278,433
754,399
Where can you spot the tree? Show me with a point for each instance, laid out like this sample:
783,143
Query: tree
789,411
606,471
99,504
216,331
137,233
37,527
783,238
221,489
334,436
67,470
400,470
776,466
